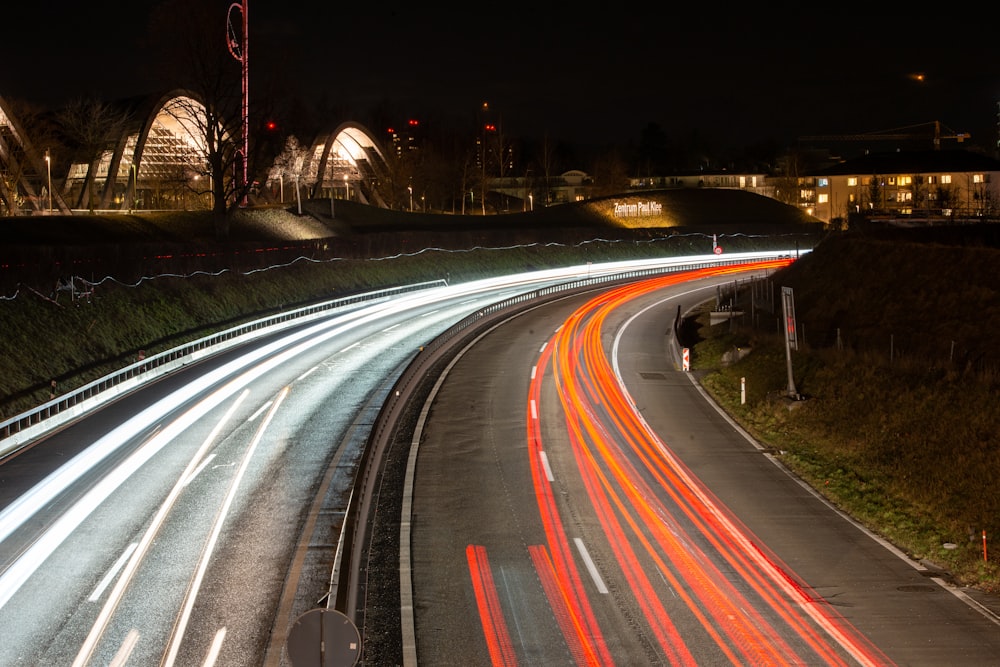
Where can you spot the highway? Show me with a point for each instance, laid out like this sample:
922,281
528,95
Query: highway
193,521
578,501
181,524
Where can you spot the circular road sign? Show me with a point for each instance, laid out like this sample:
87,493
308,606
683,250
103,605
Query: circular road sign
324,638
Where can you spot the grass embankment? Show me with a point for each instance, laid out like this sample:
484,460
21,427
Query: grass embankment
898,425
73,342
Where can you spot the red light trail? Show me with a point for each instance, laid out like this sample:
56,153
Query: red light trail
703,582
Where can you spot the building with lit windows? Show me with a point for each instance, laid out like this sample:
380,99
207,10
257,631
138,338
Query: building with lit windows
752,182
914,187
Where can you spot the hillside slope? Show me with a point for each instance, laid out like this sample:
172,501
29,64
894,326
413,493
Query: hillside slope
898,374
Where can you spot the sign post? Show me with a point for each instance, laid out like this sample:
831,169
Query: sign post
791,341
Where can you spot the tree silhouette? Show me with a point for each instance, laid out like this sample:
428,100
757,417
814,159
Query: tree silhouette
93,128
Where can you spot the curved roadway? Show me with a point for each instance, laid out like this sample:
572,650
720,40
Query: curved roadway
190,522
578,500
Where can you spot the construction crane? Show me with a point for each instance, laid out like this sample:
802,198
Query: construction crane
896,134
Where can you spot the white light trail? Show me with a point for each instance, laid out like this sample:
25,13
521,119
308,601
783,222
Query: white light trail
147,539
213,539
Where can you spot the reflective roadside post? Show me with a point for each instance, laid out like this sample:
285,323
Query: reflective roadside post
48,168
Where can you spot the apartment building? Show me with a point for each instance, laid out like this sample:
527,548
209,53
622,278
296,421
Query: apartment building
911,187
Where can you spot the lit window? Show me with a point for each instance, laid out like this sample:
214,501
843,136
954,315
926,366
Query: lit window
850,197
823,183
931,180
904,195
806,195
977,178
743,181
905,180
822,199
852,181
892,180
946,178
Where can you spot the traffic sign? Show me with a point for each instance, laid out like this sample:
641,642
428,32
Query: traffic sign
717,250
324,638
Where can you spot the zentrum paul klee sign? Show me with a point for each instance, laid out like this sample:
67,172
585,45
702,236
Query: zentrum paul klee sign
637,210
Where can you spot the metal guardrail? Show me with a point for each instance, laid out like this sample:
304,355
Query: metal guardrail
345,585
20,429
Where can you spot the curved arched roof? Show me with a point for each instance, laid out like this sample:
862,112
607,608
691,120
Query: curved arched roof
161,152
163,143
346,156
25,167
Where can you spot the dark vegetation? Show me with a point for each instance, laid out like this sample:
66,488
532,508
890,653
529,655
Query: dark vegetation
897,369
899,374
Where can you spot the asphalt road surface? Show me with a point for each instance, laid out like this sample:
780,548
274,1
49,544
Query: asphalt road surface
551,525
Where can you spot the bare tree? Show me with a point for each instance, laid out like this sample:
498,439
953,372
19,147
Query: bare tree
786,186
610,174
187,39
291,164
92,127
548,164
21,174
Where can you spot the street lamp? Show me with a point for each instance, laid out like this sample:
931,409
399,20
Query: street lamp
133,192
48,168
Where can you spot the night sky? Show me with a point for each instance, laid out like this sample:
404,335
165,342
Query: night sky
735,79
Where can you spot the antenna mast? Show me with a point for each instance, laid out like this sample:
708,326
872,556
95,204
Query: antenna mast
239,47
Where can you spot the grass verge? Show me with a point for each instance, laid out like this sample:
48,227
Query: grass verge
908,451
